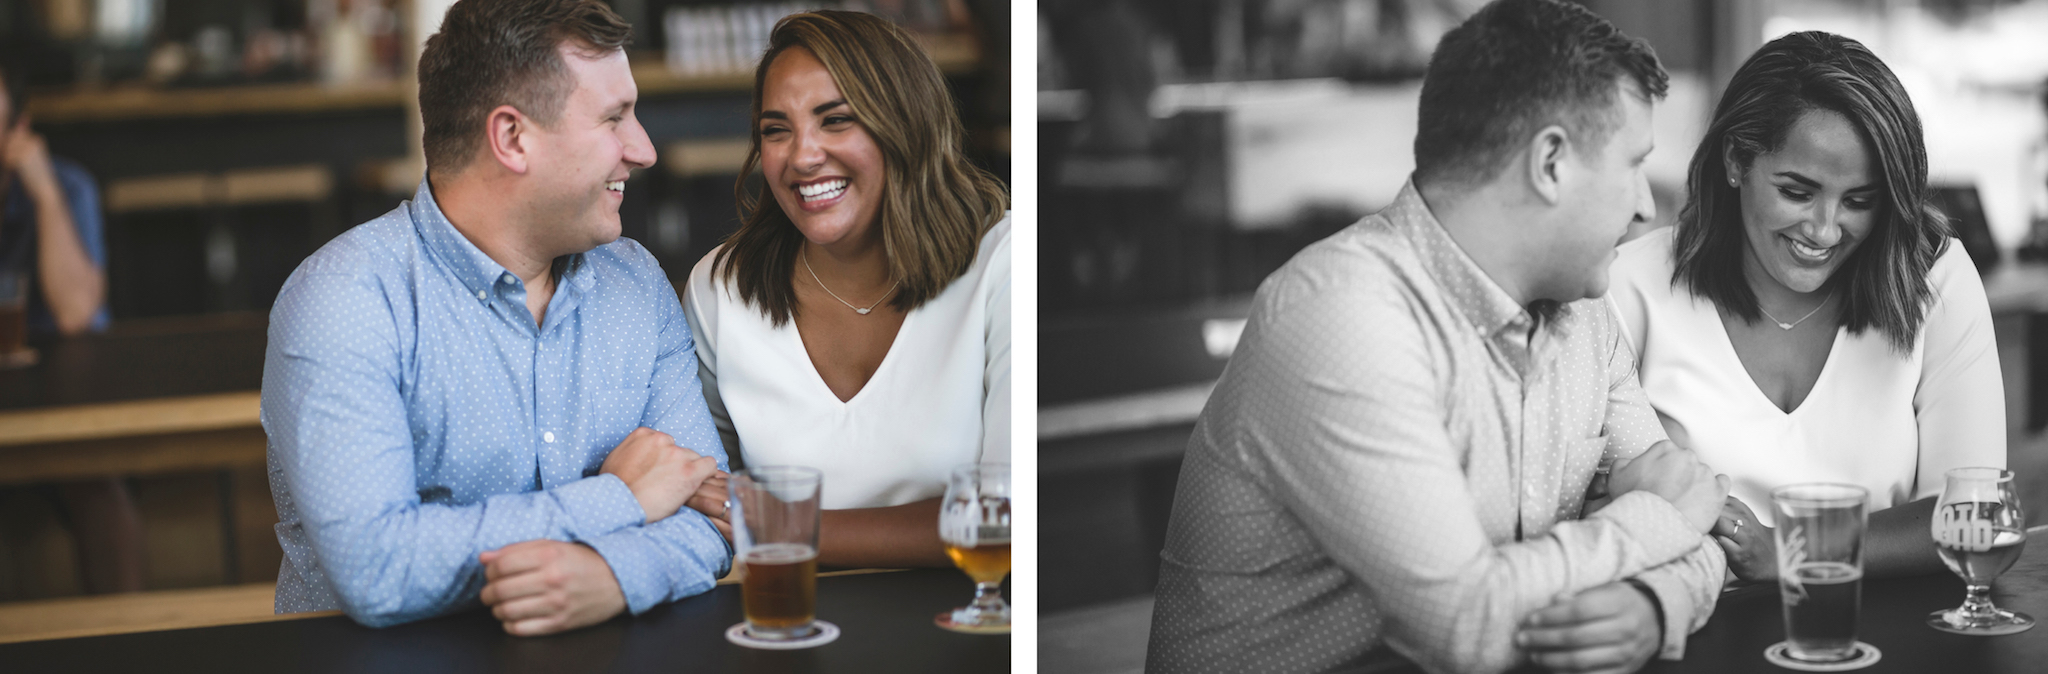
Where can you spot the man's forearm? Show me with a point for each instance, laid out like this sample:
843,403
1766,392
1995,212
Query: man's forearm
73,287
1686,590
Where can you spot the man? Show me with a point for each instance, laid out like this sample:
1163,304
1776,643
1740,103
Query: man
1396,461
51,242
478,396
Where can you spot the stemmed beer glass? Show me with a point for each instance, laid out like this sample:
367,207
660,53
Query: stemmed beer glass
1979,530
974,522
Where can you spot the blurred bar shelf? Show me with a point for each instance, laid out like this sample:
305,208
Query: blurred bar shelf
956,54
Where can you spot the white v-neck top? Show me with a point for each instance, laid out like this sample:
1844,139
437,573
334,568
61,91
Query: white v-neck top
941,397
1891,422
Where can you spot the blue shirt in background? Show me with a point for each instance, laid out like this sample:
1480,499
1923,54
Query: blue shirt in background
18,237
417,418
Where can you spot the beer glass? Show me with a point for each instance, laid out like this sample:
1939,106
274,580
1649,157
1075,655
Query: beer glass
1820,573
974,522
775,532
1979,530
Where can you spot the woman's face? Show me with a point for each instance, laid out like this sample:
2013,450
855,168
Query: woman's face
820,163
1807,206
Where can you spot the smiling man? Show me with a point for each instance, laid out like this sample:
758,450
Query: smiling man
1395,465
478,397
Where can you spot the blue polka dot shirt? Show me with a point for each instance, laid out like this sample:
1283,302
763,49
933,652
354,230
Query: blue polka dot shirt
417,417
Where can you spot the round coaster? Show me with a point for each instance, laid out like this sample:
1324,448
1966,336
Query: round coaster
827,632
1864,656
945,621
2016,623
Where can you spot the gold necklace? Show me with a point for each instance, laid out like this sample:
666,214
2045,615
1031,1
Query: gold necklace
804,254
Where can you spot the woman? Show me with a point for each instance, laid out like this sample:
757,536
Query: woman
858,320
1844,336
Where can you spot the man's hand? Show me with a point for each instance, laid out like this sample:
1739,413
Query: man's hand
1752,547
27,157
1610,628
660,473
711,499
1679,477
543,587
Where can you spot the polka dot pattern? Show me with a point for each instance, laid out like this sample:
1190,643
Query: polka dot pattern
417,417
1394,465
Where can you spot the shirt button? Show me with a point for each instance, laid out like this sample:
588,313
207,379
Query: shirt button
548,436
506,278
480,294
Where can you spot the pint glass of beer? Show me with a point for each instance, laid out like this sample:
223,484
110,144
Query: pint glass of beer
1820,570
775,531
974,523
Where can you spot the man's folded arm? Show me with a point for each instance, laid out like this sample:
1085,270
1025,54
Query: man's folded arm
681,555
1371,472
338,430
1686,590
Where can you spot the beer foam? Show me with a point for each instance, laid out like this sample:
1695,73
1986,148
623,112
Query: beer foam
780,553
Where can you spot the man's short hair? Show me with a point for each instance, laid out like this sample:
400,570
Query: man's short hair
504,52
1517,66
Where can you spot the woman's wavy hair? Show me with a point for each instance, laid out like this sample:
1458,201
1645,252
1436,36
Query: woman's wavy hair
1884,283
936,204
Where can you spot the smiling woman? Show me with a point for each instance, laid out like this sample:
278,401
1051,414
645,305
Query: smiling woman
1843,338
858,320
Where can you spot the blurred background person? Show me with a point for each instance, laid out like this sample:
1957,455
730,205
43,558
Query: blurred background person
1282,121
52,249
859,320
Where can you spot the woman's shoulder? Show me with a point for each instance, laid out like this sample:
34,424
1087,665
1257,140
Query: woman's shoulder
1646,255
1953,271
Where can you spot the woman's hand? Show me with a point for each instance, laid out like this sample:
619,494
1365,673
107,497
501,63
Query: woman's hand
1752,547
711,499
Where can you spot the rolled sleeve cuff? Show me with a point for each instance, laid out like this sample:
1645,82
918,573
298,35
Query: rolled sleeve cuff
648,577
599,505
1654,524
1676,603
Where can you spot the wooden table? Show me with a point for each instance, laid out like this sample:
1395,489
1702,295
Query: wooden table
1893,619
149,396
886,619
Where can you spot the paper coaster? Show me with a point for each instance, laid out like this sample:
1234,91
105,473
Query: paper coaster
1864,656
827,632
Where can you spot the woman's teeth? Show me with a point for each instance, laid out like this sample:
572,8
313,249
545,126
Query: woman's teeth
616,186
1807,251
822,191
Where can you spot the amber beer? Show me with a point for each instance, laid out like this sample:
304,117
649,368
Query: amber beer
780,591
987,562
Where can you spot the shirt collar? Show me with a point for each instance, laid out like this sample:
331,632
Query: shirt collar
1483,302
476,271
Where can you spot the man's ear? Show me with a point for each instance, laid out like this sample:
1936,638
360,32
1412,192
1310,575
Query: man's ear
506,132
1546,167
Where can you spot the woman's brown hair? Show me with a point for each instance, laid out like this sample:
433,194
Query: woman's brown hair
936,204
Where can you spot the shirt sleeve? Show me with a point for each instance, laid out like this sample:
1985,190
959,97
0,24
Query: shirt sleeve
683,554
700,306
1368,467
995,377
1686,590
1960,402
339,435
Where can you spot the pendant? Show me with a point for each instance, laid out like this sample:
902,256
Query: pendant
1785,326
862,312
